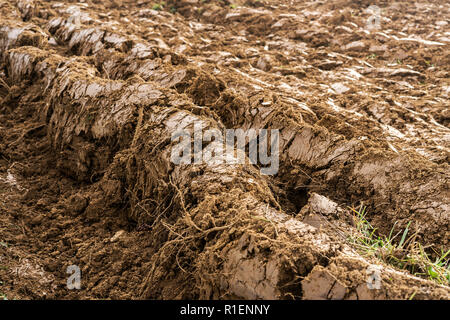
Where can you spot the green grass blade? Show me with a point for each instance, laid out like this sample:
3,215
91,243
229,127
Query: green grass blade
404,235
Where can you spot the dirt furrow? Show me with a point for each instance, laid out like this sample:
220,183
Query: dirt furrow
99,103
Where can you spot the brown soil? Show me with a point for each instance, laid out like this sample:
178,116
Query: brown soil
91,92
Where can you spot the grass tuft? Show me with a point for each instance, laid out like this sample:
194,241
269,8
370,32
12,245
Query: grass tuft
406,254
